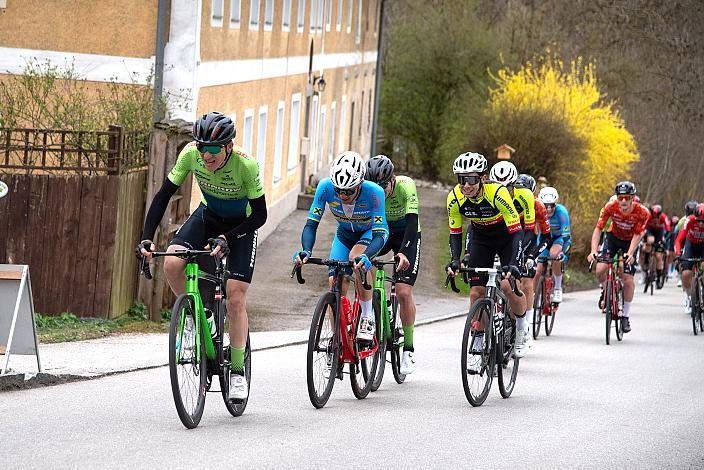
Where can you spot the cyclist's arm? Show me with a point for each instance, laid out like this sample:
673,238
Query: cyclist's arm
410,236
634,243
254,221
565,230
596,235
380,229
157,209
679,241
455,221
504,203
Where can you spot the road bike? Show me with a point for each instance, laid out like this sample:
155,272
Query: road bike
333,342
543,307
696,295
195,356
488,322
389,329
612,307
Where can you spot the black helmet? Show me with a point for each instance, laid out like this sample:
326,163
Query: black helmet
690,207
380,170
625,187
525,181
214,128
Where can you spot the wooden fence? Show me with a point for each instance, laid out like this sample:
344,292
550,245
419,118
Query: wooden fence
74,213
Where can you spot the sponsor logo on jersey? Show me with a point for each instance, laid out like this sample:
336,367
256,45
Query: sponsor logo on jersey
318,211
378,219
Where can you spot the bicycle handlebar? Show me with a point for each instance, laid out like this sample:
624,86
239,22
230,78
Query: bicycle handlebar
183,254
504,270
326,262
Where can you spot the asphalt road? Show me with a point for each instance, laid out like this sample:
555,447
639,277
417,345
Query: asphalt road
577,403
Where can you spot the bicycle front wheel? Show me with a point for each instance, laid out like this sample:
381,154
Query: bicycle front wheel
397,343
618,307
478,353
362,374
699,310
507,369
538,307
383,336
695,301
608,310
187,365
550,320
323,353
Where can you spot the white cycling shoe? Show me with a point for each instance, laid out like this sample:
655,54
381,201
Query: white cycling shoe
521,342
556,296
408,364
366,329
238,387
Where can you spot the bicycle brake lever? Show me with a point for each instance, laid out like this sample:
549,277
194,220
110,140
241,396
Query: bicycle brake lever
299,276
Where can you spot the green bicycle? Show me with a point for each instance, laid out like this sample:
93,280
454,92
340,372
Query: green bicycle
194,355
389,332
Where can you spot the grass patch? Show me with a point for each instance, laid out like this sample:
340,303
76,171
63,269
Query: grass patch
69,327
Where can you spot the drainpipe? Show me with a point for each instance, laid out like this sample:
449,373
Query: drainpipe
305,142
159,60
377,78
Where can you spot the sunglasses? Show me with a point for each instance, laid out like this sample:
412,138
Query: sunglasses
624,198
211,149
468,179
549,206
345,192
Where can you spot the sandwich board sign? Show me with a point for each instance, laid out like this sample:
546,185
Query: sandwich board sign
17,331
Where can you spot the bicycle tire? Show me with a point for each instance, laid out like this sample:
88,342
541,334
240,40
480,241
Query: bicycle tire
699,310
236,407
190,416
550,321
618,307
608,310
383,336
481,309
538,307
696,309
508,367
361,379
319,395
397,343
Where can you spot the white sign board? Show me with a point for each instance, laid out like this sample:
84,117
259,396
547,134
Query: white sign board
17,332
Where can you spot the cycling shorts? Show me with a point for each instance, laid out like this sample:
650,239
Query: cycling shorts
483,250
343,243
557,241
613,245
407,276
690,251
657,233
204,224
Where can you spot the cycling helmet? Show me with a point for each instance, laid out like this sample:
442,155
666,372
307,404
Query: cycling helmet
625,187
525,181
214,128
699,212
469,162
690,207
347,170
548,195
380,170
656,210
504,173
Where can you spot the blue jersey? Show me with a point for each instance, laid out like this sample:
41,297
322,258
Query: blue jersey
369,209
560,224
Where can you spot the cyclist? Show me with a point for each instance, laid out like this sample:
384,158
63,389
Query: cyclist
227,219
689,208
560,238
658,225
628,221
692,237
496,230
404,239
362,232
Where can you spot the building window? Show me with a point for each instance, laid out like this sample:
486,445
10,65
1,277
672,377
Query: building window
321,14
248,128
261,139
286,16
279,146
235,12
331,131
321,139
268,15
340,9
358,36
316,15
217,12
254,14
349,17
328,14
294,130
313,127
301,15
343,124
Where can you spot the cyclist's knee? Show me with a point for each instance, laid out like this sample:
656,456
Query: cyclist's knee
174,267
404,292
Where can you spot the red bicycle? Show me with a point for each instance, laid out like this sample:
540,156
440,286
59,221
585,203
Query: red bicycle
612,306
333,342
542,305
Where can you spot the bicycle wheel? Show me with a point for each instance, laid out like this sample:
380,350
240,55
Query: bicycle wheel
323,353
618,307
383,336
477,381
695,305
187,365
397,343
362,374
699,310
538,307
236,407
507,360
608,310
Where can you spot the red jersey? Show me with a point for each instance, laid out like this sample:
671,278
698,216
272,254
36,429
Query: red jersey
541,217
624,226
692,231
656,224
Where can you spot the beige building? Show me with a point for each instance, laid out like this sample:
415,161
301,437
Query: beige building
249,59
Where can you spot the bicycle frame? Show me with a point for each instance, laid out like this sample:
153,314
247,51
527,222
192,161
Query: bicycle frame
193,274
613,275
380,280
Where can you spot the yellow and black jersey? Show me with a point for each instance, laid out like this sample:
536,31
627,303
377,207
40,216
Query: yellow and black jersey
524,202
492,211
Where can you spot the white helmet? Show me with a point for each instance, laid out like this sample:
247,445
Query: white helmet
347,170
469,162
504,173
548,195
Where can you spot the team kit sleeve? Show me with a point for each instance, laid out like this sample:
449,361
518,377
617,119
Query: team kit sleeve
455,222
604,216
681,236
253,183
380,229
565,229
410,235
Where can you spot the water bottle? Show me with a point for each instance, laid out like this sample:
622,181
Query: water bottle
210,318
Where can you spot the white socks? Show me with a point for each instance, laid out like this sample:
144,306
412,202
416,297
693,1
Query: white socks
626,309
522,322
367,309
558,282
